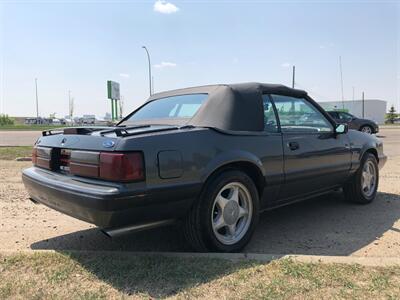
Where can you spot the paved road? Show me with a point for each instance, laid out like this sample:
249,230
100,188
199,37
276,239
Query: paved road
321,226
18,138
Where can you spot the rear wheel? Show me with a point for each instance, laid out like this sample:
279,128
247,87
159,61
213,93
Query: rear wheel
366,129
225,216
363,186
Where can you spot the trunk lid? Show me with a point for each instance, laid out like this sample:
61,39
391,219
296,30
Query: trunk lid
95,138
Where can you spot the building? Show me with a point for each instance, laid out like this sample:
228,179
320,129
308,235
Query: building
373,109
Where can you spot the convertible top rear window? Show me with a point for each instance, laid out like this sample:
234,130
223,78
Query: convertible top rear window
174,107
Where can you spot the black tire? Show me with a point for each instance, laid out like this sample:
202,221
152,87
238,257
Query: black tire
367,129
198,229
353,190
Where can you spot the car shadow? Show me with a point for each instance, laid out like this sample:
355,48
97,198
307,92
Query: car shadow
325,225
155,277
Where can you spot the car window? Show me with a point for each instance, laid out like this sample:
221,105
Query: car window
270,123
298,115
345,116
333,114
182,106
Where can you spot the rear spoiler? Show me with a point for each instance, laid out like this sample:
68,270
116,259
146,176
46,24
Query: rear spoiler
119,131
72,130
124,131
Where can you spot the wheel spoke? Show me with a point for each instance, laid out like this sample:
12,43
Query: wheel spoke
221,201
219,223
232,229
364,180
234,194
242,212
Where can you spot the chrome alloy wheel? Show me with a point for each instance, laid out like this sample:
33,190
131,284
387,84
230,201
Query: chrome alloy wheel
232,212
366,129
368,179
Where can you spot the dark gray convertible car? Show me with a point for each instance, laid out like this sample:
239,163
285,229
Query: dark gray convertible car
212,157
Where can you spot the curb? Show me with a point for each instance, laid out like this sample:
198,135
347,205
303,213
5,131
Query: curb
364,261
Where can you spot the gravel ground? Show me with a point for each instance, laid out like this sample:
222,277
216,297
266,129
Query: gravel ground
321,226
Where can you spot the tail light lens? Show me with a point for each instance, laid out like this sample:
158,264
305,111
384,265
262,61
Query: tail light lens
121,166
34,156
41,157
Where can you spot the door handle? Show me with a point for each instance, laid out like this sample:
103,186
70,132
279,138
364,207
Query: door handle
293,145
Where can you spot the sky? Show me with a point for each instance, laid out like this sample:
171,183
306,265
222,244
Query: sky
78,45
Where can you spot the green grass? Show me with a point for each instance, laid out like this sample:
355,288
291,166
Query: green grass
11,153
126,276
29,127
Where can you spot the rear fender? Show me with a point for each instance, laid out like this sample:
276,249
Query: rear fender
226,158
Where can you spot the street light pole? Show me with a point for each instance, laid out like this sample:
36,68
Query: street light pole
293,76
148,57
37,102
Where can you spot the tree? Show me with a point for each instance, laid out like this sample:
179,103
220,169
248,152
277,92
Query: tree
391,115
6,120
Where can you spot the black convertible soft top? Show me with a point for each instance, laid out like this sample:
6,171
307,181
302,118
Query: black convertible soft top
232,107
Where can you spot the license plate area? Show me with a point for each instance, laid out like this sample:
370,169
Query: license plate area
64,160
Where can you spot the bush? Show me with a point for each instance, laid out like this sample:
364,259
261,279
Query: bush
6,120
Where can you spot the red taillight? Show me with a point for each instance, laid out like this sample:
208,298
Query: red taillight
121,166
41,157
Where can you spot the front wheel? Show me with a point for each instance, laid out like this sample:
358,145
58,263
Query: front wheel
366,129
225,215
363,186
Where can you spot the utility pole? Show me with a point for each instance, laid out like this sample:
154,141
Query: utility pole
70,105
148,58
37,102
341,79
293,76
363,105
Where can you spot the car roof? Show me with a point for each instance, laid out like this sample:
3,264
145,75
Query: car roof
230,107
267,88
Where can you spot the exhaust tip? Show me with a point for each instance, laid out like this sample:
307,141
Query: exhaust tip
106,233
34,201
118,231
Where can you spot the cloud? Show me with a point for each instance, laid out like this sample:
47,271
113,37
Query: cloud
325,46
286,65
165,7
165,64
125,75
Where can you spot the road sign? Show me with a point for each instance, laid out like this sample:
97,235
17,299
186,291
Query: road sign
113,90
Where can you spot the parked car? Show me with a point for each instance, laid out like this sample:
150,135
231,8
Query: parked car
353,122
212,157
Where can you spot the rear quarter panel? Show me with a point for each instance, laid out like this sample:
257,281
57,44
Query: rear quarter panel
205,150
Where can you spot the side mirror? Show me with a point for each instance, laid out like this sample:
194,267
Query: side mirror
341,128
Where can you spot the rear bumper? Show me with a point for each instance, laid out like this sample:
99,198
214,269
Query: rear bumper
382,161
107,205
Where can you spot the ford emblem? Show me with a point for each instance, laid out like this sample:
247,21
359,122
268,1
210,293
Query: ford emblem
108,144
